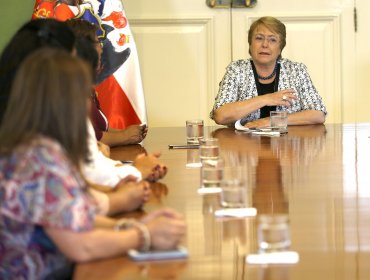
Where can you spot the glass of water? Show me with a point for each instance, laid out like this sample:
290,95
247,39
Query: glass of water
211,173
279,121
273,233
194,131
233,194
209,149
192,158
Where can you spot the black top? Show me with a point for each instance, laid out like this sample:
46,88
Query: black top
266,88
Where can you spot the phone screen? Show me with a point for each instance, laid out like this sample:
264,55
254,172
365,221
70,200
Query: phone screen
178,253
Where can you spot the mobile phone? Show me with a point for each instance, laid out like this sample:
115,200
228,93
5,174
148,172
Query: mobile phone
179,253
183,146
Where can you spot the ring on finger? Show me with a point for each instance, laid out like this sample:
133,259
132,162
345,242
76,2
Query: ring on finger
284,98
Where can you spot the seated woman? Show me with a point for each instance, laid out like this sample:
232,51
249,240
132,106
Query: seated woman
46,214
123,192
267,82
89,49
49,32
133,134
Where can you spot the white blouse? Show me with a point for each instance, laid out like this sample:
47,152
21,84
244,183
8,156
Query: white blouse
103,170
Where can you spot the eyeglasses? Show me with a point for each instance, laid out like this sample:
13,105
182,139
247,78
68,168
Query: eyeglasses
272,40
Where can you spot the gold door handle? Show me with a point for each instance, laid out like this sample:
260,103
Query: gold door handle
231,3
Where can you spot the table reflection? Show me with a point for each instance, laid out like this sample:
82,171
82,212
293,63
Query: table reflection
260,161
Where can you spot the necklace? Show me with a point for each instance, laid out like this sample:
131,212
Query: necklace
269,76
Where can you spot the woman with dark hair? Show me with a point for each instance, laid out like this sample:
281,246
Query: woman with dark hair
85,32
124,195
32,36
102,170
46,214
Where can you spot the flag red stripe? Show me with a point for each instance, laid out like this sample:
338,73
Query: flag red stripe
115,104
51,10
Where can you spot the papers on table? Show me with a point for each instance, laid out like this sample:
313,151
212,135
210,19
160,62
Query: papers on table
240,127
256,131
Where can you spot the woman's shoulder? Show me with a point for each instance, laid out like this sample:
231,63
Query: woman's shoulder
41,154
239,66
289,64
241,63
45,142
45,149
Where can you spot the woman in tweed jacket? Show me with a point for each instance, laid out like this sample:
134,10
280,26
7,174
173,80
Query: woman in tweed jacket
252,88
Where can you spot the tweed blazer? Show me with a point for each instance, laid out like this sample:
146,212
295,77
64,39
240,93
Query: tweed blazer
239,84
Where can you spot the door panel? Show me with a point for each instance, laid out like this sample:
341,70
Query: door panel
178,68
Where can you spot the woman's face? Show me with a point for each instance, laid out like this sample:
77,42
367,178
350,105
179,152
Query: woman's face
265,46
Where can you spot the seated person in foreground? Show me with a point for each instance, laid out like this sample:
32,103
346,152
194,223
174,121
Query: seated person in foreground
252,88
51,33
47,217
86,31
116,188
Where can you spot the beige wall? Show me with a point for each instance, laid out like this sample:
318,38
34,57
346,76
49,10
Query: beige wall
12,16
362,90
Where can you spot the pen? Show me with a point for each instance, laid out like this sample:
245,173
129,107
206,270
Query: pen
186,146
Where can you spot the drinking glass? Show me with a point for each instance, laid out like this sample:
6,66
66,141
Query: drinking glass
194,131
211,173
209,149
279,121
273,233
233,194
192,158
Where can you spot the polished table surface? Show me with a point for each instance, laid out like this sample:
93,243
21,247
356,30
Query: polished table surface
317,175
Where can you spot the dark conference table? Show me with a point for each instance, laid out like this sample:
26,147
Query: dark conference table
318,175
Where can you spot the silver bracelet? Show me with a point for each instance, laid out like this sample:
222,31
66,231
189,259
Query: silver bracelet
144,234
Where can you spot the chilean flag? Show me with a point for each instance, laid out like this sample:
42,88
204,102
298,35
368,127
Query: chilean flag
119,87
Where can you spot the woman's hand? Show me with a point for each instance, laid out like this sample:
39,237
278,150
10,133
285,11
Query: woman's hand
166,227
280,98
135,134
128,195
136,193
150,166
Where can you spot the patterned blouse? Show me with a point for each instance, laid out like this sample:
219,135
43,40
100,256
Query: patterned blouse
39,188
239,84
